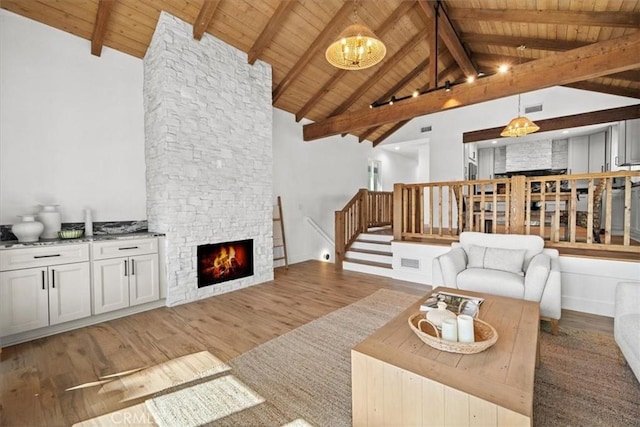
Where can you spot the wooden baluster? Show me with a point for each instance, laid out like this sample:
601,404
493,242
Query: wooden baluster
590,212
607,215
627,212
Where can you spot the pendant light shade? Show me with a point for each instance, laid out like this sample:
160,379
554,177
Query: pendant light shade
520,126
356,48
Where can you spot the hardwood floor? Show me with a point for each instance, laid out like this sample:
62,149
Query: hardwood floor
34,376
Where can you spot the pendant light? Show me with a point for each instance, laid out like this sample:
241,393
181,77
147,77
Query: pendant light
356,48
520,125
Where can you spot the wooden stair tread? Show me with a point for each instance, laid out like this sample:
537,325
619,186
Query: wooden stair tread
378,242
370,252
369,263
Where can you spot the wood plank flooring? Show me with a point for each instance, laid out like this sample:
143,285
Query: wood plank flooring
34,376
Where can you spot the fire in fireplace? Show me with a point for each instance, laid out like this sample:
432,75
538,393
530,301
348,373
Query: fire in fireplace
220,262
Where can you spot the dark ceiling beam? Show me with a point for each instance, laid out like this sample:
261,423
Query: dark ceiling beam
558,17
449,37
320,42
270,30
388,65
387,25
588,62
529,42
205,16
564,122
608,89
100,26
631,75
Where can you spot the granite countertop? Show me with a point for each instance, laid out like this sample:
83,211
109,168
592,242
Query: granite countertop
84,239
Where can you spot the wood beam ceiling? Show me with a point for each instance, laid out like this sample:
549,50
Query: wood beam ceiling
564,122
205,16
100,26
595,60
515,41
270,30
601,88
558,17
386,26
320,42
449,36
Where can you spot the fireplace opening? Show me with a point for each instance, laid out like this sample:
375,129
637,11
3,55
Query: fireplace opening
220,262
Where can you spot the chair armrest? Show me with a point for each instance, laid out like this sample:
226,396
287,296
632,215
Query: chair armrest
627,298
448,266
535,277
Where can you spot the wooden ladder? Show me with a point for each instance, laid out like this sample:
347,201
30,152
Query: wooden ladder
279,242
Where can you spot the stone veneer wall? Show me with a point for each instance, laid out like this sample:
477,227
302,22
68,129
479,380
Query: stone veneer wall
208,131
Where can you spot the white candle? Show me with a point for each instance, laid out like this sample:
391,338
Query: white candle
465,328
450,329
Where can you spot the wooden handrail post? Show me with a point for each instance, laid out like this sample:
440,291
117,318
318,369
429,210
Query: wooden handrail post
364,210
339,237
517,205
397,211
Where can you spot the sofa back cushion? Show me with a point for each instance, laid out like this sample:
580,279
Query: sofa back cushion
532,245
510,260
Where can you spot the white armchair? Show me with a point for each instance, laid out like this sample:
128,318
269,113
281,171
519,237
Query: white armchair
510,265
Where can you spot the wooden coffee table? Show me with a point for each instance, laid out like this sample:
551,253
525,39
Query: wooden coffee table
399,380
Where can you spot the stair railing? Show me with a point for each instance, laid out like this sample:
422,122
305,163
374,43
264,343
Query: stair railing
365,210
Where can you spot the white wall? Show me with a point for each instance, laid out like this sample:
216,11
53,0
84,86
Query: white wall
314,179
71,125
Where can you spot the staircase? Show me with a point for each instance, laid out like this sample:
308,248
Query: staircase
371,253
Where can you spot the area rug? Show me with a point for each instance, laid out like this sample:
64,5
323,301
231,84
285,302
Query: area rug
305,375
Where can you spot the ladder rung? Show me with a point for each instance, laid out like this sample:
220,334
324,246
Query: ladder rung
278,259
278,246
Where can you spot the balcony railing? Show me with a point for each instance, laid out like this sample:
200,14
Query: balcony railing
365,210
590,211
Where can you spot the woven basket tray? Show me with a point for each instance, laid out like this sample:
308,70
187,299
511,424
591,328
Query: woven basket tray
485,336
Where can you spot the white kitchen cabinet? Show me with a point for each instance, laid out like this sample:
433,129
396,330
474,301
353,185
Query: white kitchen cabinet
597,152
38,289
578,155
125,273
635,213
629,143
485,163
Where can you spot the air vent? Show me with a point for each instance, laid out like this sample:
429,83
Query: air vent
425,129
410,263
533,109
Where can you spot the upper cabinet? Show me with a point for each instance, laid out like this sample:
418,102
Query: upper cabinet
629,143
587,153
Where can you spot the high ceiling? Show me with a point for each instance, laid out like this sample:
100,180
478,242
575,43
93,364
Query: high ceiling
474,36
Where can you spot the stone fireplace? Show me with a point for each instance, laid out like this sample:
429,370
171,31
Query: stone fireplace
208,149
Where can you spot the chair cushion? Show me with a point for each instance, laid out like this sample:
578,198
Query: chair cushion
494,282
510,260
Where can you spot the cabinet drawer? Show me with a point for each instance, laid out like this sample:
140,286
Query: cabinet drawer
14,259
124,248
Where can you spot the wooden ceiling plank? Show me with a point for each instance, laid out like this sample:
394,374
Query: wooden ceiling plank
319,94
387,25
100,26
449,36
205,16
609,89
529,42
558,17
379,74
575,65
631,75
563,122
320,42
272,27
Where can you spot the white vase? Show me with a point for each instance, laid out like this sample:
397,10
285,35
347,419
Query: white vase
50,218
28,230
88,223
438,315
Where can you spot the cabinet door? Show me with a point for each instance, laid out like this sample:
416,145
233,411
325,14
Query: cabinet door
632,141
579,155
596,152
110,285
24,302
69,292
143,279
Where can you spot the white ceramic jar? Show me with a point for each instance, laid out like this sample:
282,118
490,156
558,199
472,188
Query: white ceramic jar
28,230
50,218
